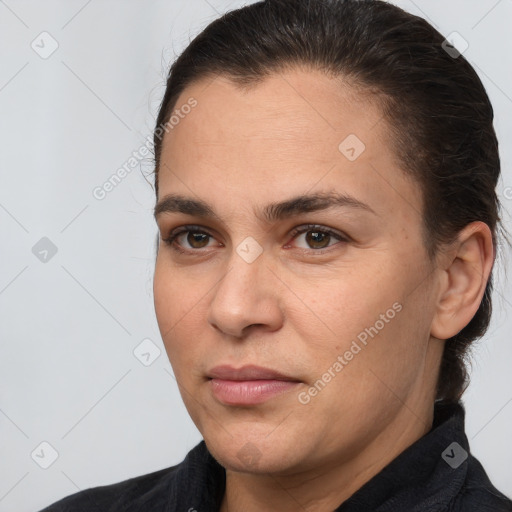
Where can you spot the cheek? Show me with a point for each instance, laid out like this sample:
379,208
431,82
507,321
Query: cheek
176,293
366,317
382,347
178,309
165,297
346,303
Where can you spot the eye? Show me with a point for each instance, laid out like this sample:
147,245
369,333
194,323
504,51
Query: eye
195,236
318,237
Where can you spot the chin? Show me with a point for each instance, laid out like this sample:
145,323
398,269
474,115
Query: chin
252,456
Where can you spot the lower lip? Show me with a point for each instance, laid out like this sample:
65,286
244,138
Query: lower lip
248,392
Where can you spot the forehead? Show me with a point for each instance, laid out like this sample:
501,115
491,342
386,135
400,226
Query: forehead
284,110
293,132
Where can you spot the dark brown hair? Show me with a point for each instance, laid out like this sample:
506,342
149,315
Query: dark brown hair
439,115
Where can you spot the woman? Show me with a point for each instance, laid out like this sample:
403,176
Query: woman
325,184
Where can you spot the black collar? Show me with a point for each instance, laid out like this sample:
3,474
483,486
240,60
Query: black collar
423,472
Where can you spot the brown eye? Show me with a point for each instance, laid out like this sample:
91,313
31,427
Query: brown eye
188,239
197,240
318,239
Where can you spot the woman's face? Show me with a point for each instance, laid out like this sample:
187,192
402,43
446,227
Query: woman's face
342,309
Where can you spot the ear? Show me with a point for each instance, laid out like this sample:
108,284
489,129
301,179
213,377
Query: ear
465,271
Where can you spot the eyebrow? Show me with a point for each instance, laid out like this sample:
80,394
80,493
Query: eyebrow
175,203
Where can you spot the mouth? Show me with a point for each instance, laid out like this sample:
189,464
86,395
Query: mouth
249,385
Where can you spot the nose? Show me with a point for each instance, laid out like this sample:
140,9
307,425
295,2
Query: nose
246,298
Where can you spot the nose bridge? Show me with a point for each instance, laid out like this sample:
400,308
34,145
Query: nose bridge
243,280
243,296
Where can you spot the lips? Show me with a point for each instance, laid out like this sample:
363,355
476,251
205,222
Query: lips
249,372
249,385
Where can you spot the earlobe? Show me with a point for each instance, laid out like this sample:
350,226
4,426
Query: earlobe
466,274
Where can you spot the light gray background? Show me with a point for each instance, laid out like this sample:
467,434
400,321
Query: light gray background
69,326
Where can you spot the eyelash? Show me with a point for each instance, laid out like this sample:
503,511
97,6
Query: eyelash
297,231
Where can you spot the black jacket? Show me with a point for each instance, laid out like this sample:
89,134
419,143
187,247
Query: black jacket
435,474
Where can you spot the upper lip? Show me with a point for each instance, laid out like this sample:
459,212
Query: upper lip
249,372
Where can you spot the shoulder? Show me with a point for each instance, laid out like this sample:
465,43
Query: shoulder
478,494
198,479
149,491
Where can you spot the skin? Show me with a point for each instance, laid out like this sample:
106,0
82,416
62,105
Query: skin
298,306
